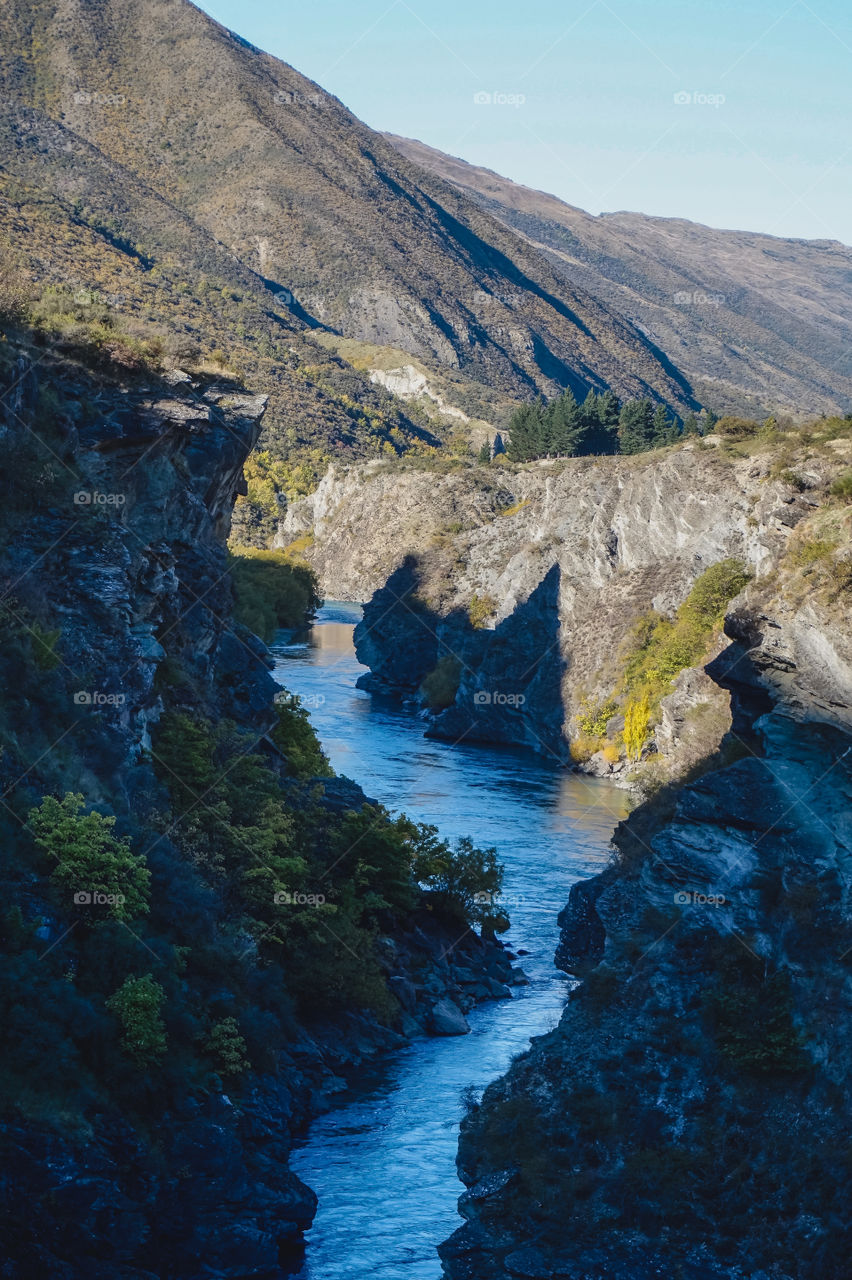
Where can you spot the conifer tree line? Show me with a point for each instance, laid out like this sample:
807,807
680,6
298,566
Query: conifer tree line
600,425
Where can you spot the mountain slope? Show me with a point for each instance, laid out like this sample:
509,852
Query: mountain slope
756,322
314,202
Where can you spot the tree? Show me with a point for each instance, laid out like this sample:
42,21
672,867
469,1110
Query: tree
664,431
227,1047
93,867
636,426
690,425
602,428
562,427
137,1005
484,455
525,434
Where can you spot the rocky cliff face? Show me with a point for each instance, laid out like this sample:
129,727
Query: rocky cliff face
526,584
685,1116
115,613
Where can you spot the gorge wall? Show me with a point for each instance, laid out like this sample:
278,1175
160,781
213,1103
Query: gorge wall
516,592
171,1019
684,1118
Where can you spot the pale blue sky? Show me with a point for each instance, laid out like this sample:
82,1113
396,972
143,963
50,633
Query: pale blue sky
599,125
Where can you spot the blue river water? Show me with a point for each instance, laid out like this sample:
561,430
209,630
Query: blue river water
383,1163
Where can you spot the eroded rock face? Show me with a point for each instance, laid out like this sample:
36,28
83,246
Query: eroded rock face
698,1074
531,579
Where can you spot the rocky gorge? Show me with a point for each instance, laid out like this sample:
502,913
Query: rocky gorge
519,593
686,1115
128,682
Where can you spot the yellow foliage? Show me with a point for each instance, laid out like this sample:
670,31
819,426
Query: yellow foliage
637,715
611,753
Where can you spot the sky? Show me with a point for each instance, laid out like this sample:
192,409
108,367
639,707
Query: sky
735,113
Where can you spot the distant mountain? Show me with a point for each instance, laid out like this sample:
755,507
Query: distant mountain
292,188
755,322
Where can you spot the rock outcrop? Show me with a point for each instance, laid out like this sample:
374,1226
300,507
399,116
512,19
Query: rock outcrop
685,1117
116,610
526,583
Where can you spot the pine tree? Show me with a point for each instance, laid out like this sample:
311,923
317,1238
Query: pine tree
636,426
690,425
664,430
484,455
603,438
525,434
710,420
563,426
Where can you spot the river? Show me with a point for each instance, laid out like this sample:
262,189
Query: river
383,1163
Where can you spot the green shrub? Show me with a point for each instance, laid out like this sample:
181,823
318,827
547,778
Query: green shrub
295,736
842,487
89,859
441,685
271,591
594,718
480,609
137,1005
227,1048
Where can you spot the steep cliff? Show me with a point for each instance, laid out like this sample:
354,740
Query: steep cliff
687,1116
203,929
528,598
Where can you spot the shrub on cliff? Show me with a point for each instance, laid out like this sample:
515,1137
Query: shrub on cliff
90,863
137,1005
271,591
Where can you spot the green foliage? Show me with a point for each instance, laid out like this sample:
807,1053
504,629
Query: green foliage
271,591
594,719
295,736
441,685
465,881
480,609
227,1048
89,859
563,428
44,647
752,1019
137,1005
842,487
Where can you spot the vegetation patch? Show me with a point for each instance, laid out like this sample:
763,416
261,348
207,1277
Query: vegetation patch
271,591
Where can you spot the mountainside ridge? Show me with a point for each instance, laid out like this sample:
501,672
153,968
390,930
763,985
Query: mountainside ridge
315,202
760,323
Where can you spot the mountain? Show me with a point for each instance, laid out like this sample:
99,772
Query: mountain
325,213
757,323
